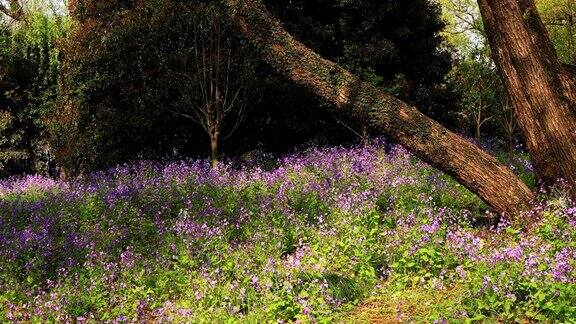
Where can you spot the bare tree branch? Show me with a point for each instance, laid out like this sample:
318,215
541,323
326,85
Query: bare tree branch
14,9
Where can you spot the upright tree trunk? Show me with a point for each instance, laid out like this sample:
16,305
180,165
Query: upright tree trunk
510,143
542,92
365,136
214,146
479,129
467,163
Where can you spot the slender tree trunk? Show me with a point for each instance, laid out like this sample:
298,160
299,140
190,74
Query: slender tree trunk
214,146
478,135
542,92
365,136
510,142
478,128
63,174
468,164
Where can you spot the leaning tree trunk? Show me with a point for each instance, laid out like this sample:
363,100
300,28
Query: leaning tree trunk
14,10
468,164
541,90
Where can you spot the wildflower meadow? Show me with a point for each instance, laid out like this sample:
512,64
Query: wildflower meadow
360,234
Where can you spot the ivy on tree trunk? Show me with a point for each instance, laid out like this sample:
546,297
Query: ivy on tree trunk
468,164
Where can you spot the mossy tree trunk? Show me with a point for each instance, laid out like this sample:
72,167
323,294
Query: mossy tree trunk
347,93
542,91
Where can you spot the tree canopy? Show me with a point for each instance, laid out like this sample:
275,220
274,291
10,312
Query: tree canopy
119,68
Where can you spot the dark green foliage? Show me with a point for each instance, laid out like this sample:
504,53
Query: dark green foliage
28,86
394,44
121,60
117,85
129,73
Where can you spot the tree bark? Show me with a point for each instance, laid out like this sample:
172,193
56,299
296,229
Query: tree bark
214,146
468,164
542,90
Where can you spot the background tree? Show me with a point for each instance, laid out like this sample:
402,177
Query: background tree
212,81
11,153
116,79
28,87
464,28
478,85
559,17
120,68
